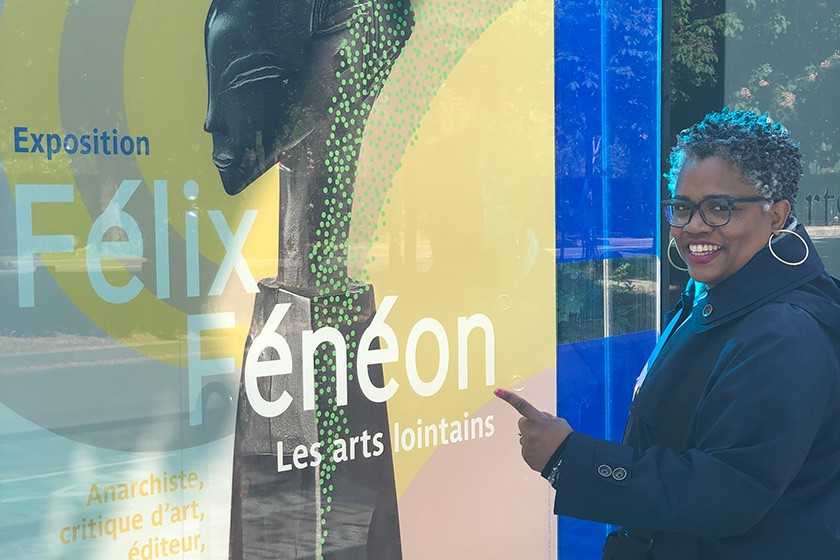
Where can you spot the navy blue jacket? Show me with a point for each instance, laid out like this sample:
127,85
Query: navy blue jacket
732,447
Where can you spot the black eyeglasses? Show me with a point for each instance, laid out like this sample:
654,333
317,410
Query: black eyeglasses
715,211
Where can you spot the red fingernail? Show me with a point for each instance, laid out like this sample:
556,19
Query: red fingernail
498,392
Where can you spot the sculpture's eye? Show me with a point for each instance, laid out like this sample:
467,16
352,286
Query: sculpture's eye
252,68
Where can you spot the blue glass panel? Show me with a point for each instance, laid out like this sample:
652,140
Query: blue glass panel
607,128
607,92
584,398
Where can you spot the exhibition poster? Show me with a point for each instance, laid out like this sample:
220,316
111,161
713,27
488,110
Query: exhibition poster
262,265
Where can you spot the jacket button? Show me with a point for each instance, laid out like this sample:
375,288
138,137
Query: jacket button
605,471
708,310
619,474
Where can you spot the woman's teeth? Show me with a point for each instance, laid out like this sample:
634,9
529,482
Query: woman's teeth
703,249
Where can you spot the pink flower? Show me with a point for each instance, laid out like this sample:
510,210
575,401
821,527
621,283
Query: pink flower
825,64
812,76
763,83
787,99
745,92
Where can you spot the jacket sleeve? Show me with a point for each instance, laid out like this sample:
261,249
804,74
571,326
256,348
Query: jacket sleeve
755,424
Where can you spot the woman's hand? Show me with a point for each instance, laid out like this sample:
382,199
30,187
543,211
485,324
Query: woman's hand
540,433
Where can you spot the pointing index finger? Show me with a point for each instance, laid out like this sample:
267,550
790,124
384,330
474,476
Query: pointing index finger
522,406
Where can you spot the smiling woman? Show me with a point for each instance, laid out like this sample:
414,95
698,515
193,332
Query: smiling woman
732,446
733,223
744,159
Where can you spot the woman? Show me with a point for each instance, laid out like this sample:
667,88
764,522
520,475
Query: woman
732,447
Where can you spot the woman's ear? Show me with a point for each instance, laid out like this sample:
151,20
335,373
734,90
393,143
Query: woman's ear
779,211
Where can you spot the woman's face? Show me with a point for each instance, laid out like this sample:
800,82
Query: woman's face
713,254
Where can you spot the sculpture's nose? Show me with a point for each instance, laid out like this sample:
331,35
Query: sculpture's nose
213,122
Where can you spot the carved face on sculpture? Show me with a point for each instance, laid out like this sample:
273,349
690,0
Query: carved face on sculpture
271,73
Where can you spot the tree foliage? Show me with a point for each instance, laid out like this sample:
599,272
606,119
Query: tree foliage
780,57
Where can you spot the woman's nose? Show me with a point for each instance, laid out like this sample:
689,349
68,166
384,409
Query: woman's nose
696,223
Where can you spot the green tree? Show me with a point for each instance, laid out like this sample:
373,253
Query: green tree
781,57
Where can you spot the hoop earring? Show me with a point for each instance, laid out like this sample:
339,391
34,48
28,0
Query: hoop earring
772,252
673,243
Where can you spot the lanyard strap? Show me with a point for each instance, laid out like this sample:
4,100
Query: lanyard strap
666,334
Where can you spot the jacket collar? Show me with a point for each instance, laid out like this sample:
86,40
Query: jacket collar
760,280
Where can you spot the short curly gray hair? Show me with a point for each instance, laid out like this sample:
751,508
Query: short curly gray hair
759,148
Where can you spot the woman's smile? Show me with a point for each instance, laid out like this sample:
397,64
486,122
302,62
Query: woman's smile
702,253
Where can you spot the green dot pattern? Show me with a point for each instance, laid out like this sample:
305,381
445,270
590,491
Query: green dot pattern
443,32
366,57
440,33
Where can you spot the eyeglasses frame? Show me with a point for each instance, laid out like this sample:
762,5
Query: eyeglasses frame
696,206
